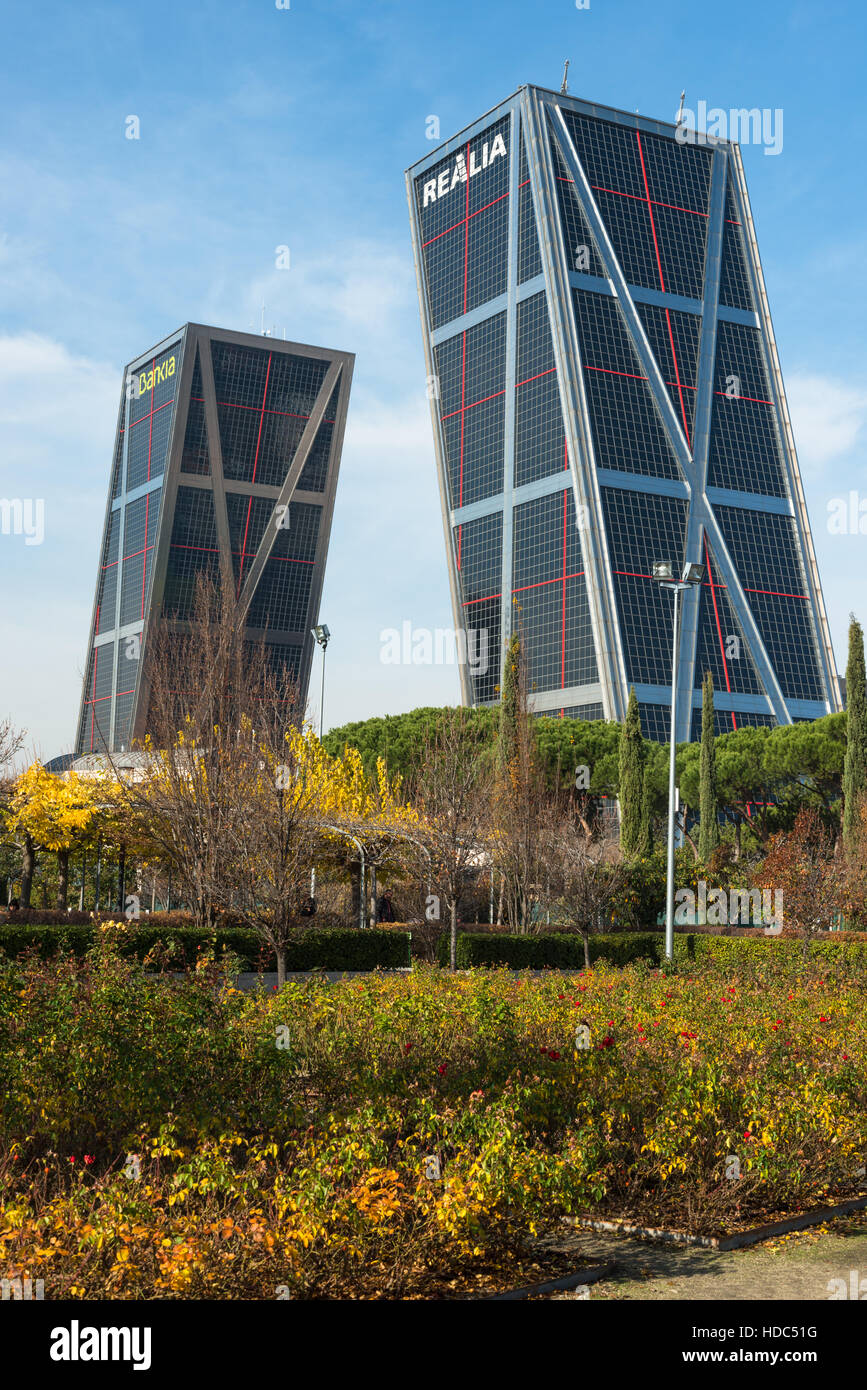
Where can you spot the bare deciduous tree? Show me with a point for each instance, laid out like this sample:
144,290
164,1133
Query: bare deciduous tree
452,787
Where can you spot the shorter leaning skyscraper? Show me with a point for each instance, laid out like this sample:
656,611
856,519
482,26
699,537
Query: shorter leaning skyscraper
225,464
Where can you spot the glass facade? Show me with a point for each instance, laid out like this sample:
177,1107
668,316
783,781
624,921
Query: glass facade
241,436
606,394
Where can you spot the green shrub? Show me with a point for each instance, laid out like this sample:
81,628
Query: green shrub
308,950
837,948
561,950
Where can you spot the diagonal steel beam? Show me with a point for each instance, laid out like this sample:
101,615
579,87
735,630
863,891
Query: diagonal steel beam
698,501
290,482
570,380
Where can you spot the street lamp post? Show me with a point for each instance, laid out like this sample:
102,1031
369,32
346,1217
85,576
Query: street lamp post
322,636
663,573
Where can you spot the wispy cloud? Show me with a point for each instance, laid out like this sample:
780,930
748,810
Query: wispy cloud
828,416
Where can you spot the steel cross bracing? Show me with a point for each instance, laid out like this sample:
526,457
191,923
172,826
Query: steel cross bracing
537,115
701,516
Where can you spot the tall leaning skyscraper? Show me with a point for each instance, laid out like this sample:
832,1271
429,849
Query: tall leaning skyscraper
606,392
225,464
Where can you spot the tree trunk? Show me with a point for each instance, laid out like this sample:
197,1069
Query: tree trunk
586,936
737,840
28,867
281,966
121,875
355,885
62,878
453,938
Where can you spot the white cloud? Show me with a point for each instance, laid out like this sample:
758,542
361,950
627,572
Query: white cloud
57,417
827,417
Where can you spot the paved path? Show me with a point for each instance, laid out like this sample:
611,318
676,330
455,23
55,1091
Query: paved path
799,1266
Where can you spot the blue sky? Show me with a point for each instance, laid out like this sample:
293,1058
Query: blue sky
262,127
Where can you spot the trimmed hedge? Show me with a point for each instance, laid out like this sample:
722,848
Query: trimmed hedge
845,948
349,949
561,950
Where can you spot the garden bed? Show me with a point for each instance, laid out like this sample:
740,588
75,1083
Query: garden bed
409,1136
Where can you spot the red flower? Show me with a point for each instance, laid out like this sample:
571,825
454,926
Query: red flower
71,1158
407,1047
747,1134
442,1068
555,1056
88,1158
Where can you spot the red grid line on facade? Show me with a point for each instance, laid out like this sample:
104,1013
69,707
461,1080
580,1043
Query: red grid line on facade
611,371
657,202
255,466
151,413
538,375
151,435
774,593
472,405
563,632
677,378
467,228
487,597
718,624
650,211
540,584
144,567
463,409
289,414
469,215
757,399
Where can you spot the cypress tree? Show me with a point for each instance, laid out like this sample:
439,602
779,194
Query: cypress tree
634,817
855,766
511,702
708,798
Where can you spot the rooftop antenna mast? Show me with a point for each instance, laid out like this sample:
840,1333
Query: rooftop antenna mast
565,85
680,108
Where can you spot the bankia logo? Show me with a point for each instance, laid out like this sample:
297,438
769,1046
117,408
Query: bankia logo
460,171
139,385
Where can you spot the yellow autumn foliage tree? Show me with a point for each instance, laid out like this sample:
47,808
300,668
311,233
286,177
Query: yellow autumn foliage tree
57,812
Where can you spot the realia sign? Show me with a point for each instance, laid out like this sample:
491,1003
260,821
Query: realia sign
459,173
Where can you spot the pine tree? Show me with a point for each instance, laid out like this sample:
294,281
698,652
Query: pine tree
634,811
855,766
708,798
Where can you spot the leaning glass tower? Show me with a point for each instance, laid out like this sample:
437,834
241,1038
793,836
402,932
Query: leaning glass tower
225,464
606,392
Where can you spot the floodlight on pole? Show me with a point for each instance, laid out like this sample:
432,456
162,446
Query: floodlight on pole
664,574
322,636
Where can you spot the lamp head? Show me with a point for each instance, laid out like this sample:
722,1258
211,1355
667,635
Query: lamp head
663,571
